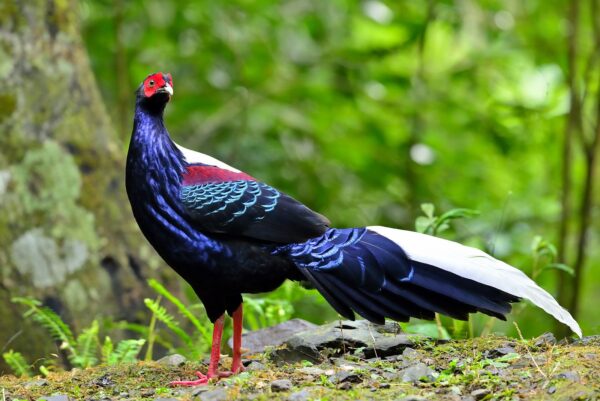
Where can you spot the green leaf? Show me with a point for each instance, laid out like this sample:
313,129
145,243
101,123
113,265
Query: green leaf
169,321
427,329
535,243
440,227
44,370
126,351
458,214
201,327
559,266
46,317
423,224
267,312
107,349
442,222
428,209
17,363
87,346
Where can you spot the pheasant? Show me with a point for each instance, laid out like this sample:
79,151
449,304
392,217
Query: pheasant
227,233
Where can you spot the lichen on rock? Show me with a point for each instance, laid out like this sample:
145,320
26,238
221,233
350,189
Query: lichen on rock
47,263
46,189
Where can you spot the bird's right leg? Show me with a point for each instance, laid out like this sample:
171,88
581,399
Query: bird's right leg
215,355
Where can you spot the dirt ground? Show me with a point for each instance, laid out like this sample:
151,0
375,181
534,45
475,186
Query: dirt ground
488,368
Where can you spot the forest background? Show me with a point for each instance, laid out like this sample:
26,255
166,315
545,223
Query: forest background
363,110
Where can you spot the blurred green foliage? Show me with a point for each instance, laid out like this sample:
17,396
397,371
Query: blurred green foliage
75,351
366,109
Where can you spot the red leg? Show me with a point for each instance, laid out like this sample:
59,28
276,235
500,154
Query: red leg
215,355
215,352
236,365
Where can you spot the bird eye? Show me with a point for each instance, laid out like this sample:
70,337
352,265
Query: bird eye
151,83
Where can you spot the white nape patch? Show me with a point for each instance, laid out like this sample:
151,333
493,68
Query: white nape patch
478,266
193,157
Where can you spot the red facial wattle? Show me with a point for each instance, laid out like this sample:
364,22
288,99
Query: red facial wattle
156,81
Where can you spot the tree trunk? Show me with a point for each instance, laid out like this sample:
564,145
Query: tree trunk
66,232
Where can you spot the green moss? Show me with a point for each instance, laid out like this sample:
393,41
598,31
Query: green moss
505,378
47,186
8,103
7,9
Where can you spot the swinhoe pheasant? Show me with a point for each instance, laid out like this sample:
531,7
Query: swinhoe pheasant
227,233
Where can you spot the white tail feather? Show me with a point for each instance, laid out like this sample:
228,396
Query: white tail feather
478,266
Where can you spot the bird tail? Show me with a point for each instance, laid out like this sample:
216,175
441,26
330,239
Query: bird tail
381,272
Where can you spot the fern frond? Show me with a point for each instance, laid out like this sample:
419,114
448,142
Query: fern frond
267,312
162,315
144,332
46,317
107,349
87,346
129,326
17,363
161,290
127,351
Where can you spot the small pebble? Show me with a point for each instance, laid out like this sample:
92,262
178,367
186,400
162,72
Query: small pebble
572,376
104,381
255,366
410,353
417,372
60,397
480,393
545,339
281,385
200,389
345,376
390,375
344,386
35,383
312,371
172,360
551,390
219,394
147,392
302,395
505,351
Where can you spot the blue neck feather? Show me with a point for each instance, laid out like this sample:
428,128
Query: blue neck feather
153,180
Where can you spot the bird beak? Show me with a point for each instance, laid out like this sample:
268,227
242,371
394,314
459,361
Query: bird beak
166,89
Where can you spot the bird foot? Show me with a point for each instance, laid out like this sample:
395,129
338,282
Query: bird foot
204,379
233,371
238,369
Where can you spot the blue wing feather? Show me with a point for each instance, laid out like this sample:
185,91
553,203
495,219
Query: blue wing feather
251,209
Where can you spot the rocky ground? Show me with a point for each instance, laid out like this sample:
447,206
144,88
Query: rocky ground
356,361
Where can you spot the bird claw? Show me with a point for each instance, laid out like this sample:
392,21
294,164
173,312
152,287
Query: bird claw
238,369
229,373
202,381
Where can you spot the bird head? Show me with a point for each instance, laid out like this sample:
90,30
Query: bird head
156,91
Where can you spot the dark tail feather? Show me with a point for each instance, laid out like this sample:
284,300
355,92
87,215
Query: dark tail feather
338,304
359,270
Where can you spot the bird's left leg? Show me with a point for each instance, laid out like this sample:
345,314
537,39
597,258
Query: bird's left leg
236,365
215,355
